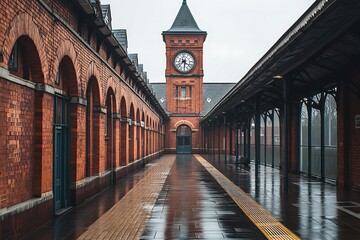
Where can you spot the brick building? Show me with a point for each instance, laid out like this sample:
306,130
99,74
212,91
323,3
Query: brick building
185,96
76,113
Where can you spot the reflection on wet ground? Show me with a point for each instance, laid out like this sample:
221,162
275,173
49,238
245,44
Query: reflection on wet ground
74,222
311,209
193,205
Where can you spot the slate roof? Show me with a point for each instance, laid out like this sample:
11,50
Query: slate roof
212,94
121,37
184,22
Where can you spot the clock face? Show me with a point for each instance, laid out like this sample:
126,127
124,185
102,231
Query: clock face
184,62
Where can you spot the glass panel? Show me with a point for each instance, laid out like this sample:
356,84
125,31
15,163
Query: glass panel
330,128
304,139
262,139
187,141
183,130
277,149
13,61
252,139
315,140
183,92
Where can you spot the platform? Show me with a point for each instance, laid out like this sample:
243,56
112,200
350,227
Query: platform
186,197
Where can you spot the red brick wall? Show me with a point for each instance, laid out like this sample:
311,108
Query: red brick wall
17,143
354,144
194,79
26,154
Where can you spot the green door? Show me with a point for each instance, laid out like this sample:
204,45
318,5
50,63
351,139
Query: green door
183,139
61,165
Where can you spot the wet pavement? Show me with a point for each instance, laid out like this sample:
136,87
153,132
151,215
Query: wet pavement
188,203
311,209
75,222
192,205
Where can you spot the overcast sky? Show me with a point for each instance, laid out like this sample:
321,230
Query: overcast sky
239,31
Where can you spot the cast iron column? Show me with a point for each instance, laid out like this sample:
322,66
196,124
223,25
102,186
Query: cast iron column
286,133
257,136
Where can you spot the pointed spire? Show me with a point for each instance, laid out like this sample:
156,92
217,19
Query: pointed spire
184,22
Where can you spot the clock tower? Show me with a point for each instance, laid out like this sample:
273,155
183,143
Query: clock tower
184,64
184,80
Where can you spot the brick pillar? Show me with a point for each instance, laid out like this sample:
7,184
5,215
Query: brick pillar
44,105
124,160
77,141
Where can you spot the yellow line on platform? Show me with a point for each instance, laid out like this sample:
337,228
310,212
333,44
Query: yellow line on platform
266,223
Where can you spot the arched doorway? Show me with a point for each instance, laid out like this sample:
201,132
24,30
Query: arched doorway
183,139
64,121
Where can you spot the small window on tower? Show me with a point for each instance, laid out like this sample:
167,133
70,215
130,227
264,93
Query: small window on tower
196,41
187,41
190,91
177,91
179,41
172,41
183,92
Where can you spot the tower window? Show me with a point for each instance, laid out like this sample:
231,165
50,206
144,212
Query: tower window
183,92
179,41
177,91
187,41
196,41
171,41
190,91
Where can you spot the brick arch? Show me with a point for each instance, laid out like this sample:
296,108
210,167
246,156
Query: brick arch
111,84
110,93
93,71
184,122
23,25
67,49
123,108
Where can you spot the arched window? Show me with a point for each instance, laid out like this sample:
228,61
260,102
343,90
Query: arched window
304,138
252,139
277,146
330,137
262,139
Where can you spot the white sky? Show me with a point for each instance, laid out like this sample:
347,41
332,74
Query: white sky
239,31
